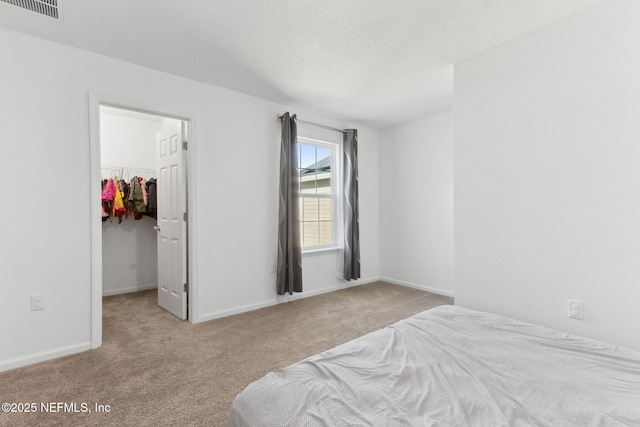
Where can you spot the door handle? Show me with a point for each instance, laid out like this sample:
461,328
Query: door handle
156,227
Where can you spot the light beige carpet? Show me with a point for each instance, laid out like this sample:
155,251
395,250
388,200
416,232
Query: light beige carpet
154,369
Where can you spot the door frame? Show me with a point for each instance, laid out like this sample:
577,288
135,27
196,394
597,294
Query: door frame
96,100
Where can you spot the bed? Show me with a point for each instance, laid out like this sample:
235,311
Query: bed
450,366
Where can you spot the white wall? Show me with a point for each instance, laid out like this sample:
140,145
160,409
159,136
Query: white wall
129,255
547,176
47,240
128,140
129,248
416,203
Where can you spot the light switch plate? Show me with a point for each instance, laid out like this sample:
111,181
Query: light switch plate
575,309
37,302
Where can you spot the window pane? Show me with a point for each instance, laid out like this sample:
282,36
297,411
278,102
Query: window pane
324,230
307,162
310,233
308,186
324,184
324,158
324,209
310,221
307,155
316,221
323,167
310,208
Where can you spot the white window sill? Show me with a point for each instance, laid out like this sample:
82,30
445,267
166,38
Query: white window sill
319,251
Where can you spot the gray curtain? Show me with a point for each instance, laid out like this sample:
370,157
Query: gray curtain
350,206
289,277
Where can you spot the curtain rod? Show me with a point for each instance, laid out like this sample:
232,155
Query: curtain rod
316,125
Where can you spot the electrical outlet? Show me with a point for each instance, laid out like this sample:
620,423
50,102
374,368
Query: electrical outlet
575,309
37,302
272,267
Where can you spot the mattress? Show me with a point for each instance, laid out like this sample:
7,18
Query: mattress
450,366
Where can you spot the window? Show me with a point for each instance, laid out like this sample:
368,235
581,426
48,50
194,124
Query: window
318,199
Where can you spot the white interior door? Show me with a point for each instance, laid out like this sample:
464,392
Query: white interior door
172,255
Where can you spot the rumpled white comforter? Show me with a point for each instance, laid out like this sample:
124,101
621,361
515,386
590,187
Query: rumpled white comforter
450,366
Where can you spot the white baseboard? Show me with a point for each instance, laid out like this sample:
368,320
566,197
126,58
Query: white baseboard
6,365
416,286
282,299
128,290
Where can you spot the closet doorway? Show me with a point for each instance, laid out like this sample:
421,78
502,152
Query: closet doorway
143,168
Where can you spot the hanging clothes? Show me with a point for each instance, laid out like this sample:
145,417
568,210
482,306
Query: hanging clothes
108,194
130,204
108,190
152,206
123,199
125,190
118,205
145,194
139,207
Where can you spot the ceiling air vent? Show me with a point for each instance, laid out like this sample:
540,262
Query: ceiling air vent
43,7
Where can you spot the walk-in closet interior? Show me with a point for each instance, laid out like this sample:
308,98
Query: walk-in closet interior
129,163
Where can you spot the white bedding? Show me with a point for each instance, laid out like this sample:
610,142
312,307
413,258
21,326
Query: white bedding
450,366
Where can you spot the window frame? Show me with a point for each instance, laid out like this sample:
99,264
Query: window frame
335,195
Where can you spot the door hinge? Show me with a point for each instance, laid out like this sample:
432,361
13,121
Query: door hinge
185,145
186,287
185,216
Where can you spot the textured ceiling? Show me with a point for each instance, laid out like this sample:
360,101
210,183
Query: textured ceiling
373,62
